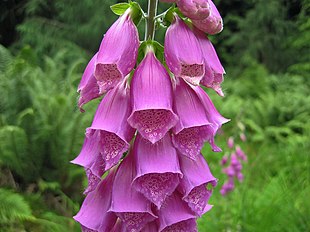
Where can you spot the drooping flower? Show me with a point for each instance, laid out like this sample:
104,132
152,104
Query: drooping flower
118,52
194,184
175,215
230,142
157,167
240,153
182,52
193,128
195,9
242,137
88,87
151,97
212,24
109,135
128,204
214,71
228,186
94,215
214,117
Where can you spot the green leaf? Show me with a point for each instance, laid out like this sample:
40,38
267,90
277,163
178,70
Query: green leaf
119,8
157,47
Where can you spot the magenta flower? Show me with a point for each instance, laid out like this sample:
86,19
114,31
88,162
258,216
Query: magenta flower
129,205
151,94
214,71
192,131
230,142
212,24
109,136
93,181
242,137
214,117
240,153
118,52
158,170
175,215
228,186
88,87
195,9
94,215
193,185
182,52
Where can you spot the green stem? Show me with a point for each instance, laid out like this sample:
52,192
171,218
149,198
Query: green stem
150,21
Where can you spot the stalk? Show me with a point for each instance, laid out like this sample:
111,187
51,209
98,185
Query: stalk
150,20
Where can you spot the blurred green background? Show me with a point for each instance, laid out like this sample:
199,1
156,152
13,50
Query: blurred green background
44,48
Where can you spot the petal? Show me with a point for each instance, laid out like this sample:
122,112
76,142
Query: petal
93,181
175,215
213,115
157,168
118,52
182,52
214,72
193,185
88,87
128,204
94,213
151,93
192,130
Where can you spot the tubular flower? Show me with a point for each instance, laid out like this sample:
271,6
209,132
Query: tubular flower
212,24
182,52
192,131
195,9
151,97
88,87
214,71
182,219
214,117
109,136
128,204
94,215
157,169
193,185
118,52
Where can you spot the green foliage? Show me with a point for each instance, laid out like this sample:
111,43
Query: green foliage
41,130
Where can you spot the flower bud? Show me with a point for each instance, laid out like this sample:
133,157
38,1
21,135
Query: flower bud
195,9
211,25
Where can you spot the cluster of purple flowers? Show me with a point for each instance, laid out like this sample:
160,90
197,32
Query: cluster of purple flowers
142,153
234,168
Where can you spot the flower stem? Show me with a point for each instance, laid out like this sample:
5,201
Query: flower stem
150,21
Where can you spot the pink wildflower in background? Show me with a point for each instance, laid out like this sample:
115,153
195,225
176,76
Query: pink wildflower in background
234,168
142,152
